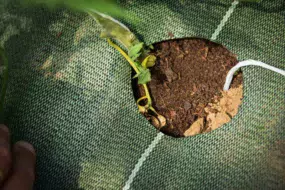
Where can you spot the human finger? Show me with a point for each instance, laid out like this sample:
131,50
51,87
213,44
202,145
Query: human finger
5,154
23,168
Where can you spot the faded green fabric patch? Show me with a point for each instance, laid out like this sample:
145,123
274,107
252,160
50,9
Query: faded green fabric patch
70,95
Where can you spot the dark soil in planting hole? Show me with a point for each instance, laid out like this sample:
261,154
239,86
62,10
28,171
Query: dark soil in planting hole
187,83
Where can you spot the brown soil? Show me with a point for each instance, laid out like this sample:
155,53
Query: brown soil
187,83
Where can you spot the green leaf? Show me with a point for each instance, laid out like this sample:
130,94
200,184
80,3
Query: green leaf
112,28
144,77
135,56
149,61
106,6
135,51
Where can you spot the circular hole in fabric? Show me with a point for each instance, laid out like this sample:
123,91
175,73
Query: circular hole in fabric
186,86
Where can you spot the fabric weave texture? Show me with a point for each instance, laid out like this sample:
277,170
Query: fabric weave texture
69,93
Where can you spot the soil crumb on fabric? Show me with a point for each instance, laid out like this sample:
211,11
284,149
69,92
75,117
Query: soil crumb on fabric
187,86
223,110
218,113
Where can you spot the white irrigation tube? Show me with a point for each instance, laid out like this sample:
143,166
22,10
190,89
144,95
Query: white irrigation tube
248,63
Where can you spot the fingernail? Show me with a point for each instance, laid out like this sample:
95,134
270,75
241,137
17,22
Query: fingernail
4,128
26,145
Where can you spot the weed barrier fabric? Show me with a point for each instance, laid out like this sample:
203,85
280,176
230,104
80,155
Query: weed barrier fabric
69,93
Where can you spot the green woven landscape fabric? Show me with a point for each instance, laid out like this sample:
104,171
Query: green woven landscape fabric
69,93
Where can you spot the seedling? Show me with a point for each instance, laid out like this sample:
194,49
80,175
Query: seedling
137,57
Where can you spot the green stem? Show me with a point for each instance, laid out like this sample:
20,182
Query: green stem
4,80
125,56
149,101
152,109
140,99
132,63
